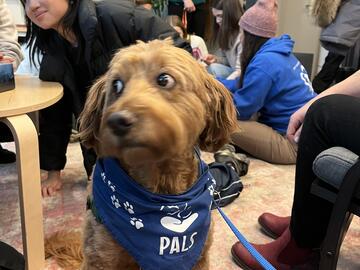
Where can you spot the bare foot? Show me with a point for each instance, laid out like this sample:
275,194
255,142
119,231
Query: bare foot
52,184
43,175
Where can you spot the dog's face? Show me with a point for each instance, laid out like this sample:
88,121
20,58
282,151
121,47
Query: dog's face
154,102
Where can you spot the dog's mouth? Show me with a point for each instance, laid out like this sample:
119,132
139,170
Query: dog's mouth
133,150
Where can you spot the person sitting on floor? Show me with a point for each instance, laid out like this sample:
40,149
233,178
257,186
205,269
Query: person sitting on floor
225,62
78,39
272,86
330,119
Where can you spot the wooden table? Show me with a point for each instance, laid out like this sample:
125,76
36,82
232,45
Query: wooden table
30,95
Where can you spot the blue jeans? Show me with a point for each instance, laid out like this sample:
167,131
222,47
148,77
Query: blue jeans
220,70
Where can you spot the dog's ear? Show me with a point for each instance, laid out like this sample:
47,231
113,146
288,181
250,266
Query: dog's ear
221,116
90,117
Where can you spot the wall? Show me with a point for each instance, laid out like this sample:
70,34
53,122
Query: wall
294,19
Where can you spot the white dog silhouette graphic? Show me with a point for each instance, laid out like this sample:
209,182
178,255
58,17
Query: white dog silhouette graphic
183,220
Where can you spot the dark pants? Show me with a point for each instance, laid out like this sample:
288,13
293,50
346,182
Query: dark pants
5,133
195,20
328,72
331,121
55,129
10,258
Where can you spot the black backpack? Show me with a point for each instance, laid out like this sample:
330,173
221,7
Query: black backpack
228,183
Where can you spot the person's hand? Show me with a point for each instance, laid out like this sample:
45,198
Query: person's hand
189,6
295,124
210,59
5,59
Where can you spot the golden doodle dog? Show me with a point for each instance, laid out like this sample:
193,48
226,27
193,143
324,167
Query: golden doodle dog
151,194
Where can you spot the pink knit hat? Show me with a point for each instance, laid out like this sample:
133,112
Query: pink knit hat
261,19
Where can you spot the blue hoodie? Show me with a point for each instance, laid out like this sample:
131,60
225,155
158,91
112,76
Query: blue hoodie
275,85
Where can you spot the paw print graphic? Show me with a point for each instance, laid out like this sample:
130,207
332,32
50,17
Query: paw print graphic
103,176
115,201
128,207
137,222
111,186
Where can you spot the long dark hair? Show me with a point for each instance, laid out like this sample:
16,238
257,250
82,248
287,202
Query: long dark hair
250,46
39,40
226,35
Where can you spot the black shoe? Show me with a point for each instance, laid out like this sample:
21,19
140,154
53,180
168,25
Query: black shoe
6,156
239,162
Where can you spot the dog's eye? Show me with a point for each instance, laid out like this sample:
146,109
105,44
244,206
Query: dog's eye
165,80
118,86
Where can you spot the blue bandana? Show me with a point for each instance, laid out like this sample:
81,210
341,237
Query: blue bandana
160,231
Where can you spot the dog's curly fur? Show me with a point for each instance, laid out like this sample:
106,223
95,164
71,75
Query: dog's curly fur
170,104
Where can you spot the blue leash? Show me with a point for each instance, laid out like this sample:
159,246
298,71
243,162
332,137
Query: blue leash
264,263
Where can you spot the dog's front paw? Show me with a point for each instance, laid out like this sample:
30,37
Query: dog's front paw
137,222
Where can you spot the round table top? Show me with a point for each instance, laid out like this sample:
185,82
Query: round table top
30,94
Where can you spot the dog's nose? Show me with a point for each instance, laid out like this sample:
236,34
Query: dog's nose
121,122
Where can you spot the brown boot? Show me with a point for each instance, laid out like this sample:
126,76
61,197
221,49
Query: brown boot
283,253
273,225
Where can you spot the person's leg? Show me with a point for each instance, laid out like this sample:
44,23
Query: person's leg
10,258
89,157
55,129
331,121
6,156
264,143
327,74
219,70
196,21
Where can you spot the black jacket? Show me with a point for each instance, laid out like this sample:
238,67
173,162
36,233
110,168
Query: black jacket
105,27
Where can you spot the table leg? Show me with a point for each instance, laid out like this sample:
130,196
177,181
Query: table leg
28,166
